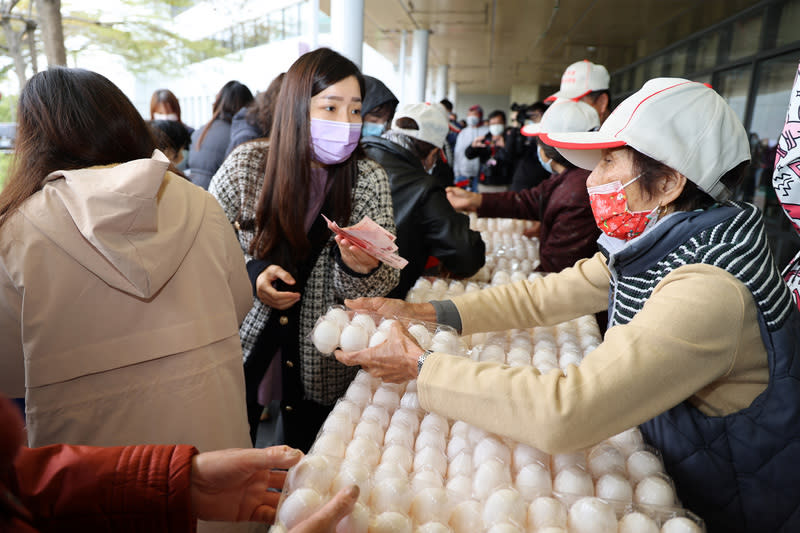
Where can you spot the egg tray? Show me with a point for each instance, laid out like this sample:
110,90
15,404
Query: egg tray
437,474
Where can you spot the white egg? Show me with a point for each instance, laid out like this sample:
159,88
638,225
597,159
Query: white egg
524,455
431,458
298,506
501,277
406,417
329,444
460,487
637,523
561,461
614,487
655,490
456,287
465,516
390,522
491,448
546,512
326,336
476,435
338,316
641,464
422,283
460,465
365,379
439,285
386,471
457,445
446,339
400,435
592,515
472,287
386,398
433,527
365,321
574,480
490,476
533,480
377,413
628,441
430,505
518,276
377,338
570,358
459,428
386,325
409,400
371,430
504,527
421,334
360,394
551,530
504,505
340,424
362,449
435,423
680,524
533,276
518,357
353,338
428,438
356,522
426,479
605,459
391,495
399,455
312,472
353,473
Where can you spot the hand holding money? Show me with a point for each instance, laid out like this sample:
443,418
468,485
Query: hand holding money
370,238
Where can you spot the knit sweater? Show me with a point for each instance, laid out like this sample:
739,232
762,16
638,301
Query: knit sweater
236,186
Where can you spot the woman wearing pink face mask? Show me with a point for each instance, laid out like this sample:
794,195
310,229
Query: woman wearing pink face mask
311,165
703,335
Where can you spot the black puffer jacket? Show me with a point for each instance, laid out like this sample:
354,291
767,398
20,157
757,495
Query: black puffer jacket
427,225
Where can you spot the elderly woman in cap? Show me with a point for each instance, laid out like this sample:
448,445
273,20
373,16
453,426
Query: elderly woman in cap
703,337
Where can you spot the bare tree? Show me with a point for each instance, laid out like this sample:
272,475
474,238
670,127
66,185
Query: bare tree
52,31
17,29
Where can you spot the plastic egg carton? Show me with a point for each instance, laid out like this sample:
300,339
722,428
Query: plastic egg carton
355,330
502,225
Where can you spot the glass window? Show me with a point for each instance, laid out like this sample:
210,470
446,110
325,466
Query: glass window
746,34
656,69
276,25
675,62
707,47
790,20
734,85
292,21
775,77
638,77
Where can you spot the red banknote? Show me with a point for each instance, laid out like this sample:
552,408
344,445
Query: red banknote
372,238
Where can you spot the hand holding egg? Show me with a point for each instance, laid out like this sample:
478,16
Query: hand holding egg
394,360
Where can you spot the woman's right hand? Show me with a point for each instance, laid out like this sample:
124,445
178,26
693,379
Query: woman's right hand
463,200
390,307
269,295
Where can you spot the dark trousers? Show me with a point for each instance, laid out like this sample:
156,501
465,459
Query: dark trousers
302,421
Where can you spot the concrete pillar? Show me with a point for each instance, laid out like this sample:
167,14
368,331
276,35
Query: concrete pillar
401,66
419,66
314,24
441,83
452,93
347,28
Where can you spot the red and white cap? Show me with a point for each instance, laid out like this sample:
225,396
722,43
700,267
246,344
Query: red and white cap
431,119
683,124
564,115
580,79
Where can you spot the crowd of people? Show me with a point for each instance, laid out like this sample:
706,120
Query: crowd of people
159,285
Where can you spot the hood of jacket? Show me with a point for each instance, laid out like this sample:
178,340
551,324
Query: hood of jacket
375,94
117,221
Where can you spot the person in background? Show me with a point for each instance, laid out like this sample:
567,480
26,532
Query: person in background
151,487
587,82
296,267
210,142
491,150
378,108
528,171
704,337
465,169
254,121
172,138
164,105
567,231
454,127
426,224
103,328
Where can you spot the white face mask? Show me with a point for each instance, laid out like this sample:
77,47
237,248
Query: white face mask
165,116
472,121
496,129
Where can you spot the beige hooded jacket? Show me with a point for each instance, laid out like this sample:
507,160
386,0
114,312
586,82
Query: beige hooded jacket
121,293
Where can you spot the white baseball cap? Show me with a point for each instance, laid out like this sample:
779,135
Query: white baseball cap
564,115
430,118
683,124
580,79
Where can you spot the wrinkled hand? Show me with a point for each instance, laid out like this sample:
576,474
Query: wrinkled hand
355,258
391,307
534,230
394,360
232,485
269,295
328,517
463,200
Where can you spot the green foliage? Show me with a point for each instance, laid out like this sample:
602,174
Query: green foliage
8,108
5,161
